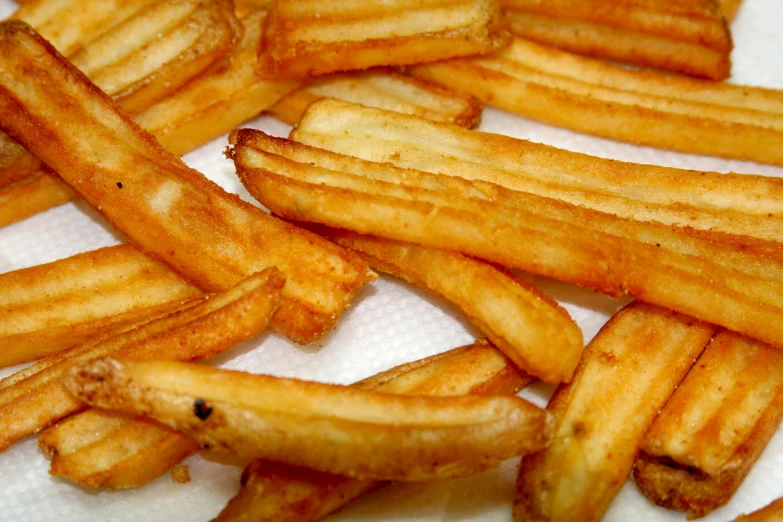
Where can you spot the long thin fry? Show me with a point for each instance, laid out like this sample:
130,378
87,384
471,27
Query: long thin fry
35,397
315,37
714,428
336,429
733,281
529,327
281,493
737,204
166,209
685,37
50,307
607,100
385,90
627,373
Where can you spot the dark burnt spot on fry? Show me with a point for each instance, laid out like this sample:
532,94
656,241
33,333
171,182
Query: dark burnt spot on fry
119,184
201,409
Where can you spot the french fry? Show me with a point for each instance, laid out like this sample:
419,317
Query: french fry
217,101
50,307
732,281
281,493
34,398
166,209
684,37
331,428
643,107
714,428
736,204
627,373
101,449
315,37
33,194
770,513
530,328
385,90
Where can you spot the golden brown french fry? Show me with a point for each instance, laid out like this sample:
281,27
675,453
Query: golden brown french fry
529,327
737,204
33,194
627,373
386,90
50,307
165,209
218,100
35,397
733,281
714,428
331,428
281,493
770,513
607,100
101,449
685,37
314,37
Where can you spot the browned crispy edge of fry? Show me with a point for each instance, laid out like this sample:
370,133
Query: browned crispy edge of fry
533,330
769,513
729,8
35,397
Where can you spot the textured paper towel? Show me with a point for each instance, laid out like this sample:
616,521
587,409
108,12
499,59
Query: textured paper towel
390,323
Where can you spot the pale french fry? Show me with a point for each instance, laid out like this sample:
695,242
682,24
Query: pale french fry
50,307
331,428
101,449
732,281
217,101
315,37
165,209
281,493
385,90
737,204
530,328
607,100
685,37
770,513
714,428
627,373
35,397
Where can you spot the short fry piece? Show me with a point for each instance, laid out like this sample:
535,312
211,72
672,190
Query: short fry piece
31,195
607,100
728,280
385,90
714,428
101,449
529,327
627,373
315,37
329,428
50,307
35,397
684,37
277,492
771,513
166,209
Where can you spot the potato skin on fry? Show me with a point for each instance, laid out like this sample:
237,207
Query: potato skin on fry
329,428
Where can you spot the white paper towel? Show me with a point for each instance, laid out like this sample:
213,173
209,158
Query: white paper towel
389,323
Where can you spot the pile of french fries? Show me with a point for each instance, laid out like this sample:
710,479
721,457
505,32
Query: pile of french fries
385,172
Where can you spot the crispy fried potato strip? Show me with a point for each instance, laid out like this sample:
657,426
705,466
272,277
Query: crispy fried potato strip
315,37
732,281
738,204
331,428
281,493
33,194
714,428
165,209
50,307
627,373
643,107
530,328
386,90
35,397
770,513
685,37
102,449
